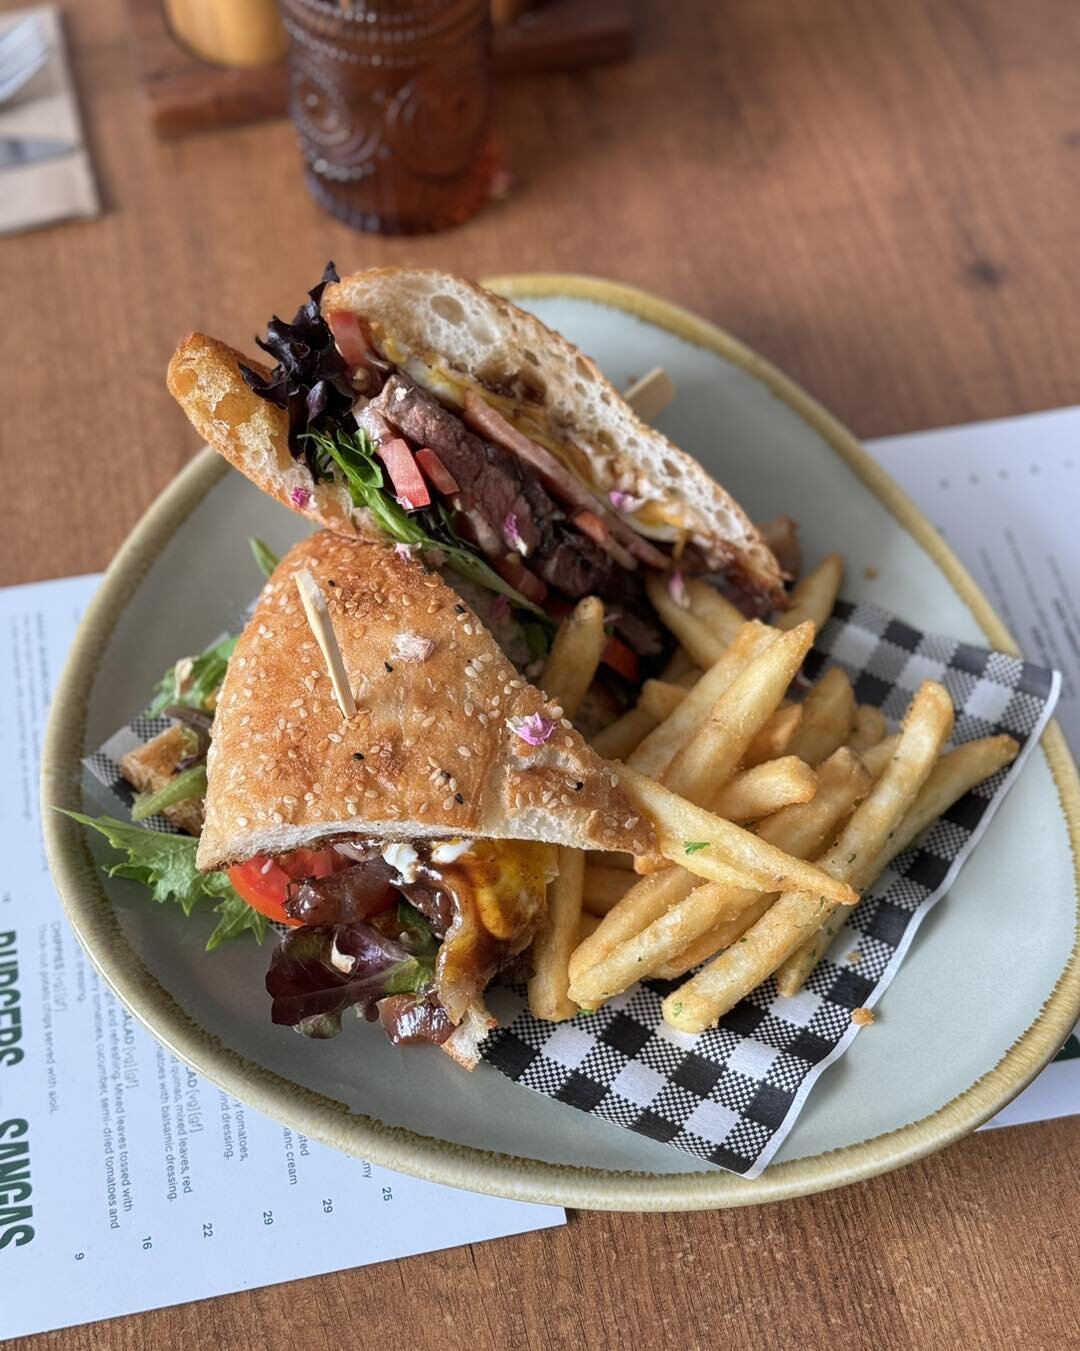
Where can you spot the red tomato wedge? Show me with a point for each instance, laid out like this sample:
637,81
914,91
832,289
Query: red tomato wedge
620,658
409,485
264,882
511,569
349,338
441,478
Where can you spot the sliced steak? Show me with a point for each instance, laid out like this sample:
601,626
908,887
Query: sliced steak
490,478
497,484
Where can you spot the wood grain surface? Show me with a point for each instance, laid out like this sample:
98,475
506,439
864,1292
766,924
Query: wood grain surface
882,198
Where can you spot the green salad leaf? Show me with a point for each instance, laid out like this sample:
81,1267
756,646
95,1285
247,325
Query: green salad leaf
193,680
355,456
165,864
190,783
265,557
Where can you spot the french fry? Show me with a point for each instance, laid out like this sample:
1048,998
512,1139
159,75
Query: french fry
660,699
714,611
781,534
775,736
798,914
758,792
681,664
718,851
828,714
556,940
664,742
645,901
703,645
815,595
709,758
878,757
605,887
575,655
622,737
674,924
668,935
587,925
868,728
954,775
714,940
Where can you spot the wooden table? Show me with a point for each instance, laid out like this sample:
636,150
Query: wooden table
883,198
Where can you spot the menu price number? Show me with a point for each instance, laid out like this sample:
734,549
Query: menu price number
327,1206
388,1193
268,1217
208,1229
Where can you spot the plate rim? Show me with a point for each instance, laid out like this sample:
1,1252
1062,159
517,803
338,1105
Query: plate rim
86,903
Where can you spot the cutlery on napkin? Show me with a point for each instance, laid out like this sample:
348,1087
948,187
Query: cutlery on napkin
45,169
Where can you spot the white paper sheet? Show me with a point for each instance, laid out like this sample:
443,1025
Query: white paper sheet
126,1181
1006,496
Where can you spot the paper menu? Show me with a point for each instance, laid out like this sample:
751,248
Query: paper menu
1005,495
126,1181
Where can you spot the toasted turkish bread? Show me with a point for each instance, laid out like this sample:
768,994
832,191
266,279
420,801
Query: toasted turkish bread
450,336
431,750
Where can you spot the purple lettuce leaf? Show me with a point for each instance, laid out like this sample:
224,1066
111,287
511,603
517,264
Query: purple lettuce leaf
320,970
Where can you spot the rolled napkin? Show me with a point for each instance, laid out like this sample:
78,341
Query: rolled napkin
45,108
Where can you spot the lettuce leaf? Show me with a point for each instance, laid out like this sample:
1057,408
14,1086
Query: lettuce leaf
264,556
355,456
193,686
319,971
165,865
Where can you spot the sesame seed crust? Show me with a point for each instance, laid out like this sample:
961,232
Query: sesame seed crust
315,774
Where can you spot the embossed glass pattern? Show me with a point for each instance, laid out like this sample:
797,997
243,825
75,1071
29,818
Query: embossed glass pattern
392,106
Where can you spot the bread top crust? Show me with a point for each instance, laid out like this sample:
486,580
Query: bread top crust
431,750
438,327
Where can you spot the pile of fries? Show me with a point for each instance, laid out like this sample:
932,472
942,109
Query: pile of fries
771,815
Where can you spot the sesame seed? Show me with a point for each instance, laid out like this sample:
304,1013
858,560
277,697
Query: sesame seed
370,792
565,722
459,799
464,752
423,808
241,820
358,755
468,629
447,804
278,817
545,798
334,736
614,780
428,720
389,668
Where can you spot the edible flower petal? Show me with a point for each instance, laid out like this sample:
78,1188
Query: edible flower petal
676,586
513,534
535,728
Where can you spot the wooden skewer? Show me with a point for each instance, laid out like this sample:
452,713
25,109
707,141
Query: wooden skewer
318,616
652,393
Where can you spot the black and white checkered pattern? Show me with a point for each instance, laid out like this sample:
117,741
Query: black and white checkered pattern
731,1095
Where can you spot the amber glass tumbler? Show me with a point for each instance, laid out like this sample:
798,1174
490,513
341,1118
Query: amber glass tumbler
392,104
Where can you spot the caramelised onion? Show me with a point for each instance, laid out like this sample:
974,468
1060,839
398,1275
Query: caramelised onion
352,894
409,1018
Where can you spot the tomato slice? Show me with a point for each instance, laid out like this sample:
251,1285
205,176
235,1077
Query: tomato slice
434,469
349,338
264,882
620,658
409,485
511,569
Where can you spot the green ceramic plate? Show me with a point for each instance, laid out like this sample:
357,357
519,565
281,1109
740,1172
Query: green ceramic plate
987,994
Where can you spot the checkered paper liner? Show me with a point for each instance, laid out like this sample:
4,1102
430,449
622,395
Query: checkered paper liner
730,1096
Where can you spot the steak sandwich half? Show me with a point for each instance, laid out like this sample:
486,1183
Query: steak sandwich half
426,821
415,405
